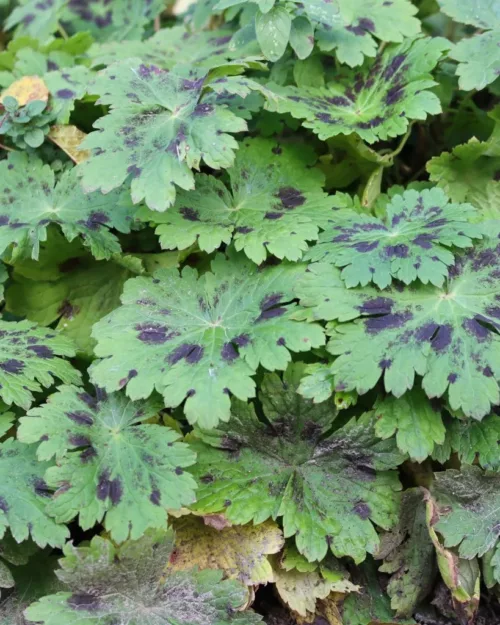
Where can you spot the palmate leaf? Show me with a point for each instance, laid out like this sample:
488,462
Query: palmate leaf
30,200
408,555
202,338
158,129
472,441
241,551
470,173
30,360
176,46
415,421
24,496
112,463
112,21
67,287
36,19
376,102
350,27
479,56
66,86
467,509
330,491
411,242
129,583
275,205
445,335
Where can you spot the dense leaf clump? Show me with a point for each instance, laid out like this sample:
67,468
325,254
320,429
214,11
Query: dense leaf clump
250,321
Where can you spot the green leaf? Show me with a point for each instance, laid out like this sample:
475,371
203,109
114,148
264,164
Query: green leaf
417,424
24,496
158,129
378,101
352,27
202,338
302,37
410,243
112,21
74,292
274,207
329,490
39,201
468,509
272,29
36,19
129,583
475,442
66,86
408,555
478,57
372,605
435,333
176,46
112,463
31,360
469,174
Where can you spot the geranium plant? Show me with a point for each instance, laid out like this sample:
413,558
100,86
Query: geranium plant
250,328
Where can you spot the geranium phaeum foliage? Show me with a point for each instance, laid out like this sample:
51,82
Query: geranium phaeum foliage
478,56
24,495
175,46
129,582
411,242
159,128
330,488
275,205
349,27
446,335
111,461
31,200
376,101
250,321
206,346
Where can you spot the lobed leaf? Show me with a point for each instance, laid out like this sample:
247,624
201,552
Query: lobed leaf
412,242
158,130
448,336
200,338
377,102
24,496
274,207
112,463
128,582
329,490
31,200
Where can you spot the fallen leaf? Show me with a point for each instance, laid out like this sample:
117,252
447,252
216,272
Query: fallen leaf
68,138
27,89
240,551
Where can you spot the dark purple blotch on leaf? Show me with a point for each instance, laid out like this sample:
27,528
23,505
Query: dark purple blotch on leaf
192,354
12,366
80,417
362,509
107,488
443,338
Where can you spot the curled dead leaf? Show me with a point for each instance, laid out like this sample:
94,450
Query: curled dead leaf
69,138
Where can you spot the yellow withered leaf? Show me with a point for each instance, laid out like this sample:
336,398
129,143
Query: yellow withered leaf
241,551
68,138
27,89
301,590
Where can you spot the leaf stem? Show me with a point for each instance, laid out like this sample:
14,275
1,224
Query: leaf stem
5,147
62,31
